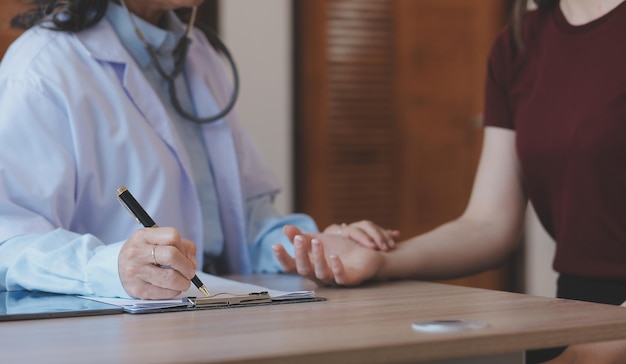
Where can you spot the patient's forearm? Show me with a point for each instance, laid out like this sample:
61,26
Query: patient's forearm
458,248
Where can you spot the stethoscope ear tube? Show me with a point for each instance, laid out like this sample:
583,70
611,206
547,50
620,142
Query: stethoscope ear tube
221,47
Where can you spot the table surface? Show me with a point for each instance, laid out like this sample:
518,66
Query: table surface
368,324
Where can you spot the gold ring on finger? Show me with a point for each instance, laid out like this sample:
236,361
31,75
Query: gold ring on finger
154,261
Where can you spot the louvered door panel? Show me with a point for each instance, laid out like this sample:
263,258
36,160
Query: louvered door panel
357,156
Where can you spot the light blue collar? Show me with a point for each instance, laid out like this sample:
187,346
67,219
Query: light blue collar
162,40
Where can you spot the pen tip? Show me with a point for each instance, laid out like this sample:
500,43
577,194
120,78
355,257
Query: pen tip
204,291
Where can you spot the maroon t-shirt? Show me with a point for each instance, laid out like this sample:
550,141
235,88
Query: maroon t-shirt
565,97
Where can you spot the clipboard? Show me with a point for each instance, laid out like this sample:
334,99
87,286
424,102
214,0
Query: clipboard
201,303
226,293
211,303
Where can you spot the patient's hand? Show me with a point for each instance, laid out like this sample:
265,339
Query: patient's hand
328,259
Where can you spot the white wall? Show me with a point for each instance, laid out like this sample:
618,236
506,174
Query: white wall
258,34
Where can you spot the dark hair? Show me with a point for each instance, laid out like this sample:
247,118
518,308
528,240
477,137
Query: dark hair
63,15
517,17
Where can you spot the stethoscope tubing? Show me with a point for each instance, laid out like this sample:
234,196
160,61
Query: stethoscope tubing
179,63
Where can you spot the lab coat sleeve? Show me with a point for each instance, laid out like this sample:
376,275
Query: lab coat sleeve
37,184
265,228
63,262
264,224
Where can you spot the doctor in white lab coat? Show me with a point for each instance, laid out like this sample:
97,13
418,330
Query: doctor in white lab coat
84,112
79,118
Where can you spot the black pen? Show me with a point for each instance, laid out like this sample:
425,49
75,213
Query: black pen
142,217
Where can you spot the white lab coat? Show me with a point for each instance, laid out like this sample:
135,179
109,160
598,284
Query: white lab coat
78,120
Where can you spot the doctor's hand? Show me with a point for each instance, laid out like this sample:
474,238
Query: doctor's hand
142,257
366,233
328,259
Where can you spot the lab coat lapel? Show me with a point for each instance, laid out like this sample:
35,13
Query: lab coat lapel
103,44
222,153
149,104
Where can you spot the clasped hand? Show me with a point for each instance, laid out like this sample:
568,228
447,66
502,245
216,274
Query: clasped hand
367,234
334,259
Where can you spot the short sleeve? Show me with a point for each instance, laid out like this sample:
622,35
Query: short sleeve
497,108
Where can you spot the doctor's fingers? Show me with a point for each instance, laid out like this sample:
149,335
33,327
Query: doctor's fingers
329,270
291,232
310,260
172,249
315,269
160,247
190,252
286,261
171,257
141,278
301,248
323,271
152,282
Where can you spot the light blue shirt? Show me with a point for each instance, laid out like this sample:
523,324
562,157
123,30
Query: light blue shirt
81,117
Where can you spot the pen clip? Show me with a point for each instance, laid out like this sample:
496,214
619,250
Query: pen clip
119,199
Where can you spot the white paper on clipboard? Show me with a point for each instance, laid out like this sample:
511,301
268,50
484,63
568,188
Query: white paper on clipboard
224,292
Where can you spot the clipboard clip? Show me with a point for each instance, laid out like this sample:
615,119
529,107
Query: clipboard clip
231,300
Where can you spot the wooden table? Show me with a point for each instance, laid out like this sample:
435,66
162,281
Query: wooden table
370,324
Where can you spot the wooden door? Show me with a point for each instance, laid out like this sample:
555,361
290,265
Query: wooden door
8,9
389,100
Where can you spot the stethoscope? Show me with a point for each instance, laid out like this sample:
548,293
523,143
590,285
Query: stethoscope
180,55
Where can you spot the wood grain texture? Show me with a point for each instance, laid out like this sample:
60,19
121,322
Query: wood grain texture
370,324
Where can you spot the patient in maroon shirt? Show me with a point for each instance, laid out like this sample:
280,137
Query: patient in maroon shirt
555,136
